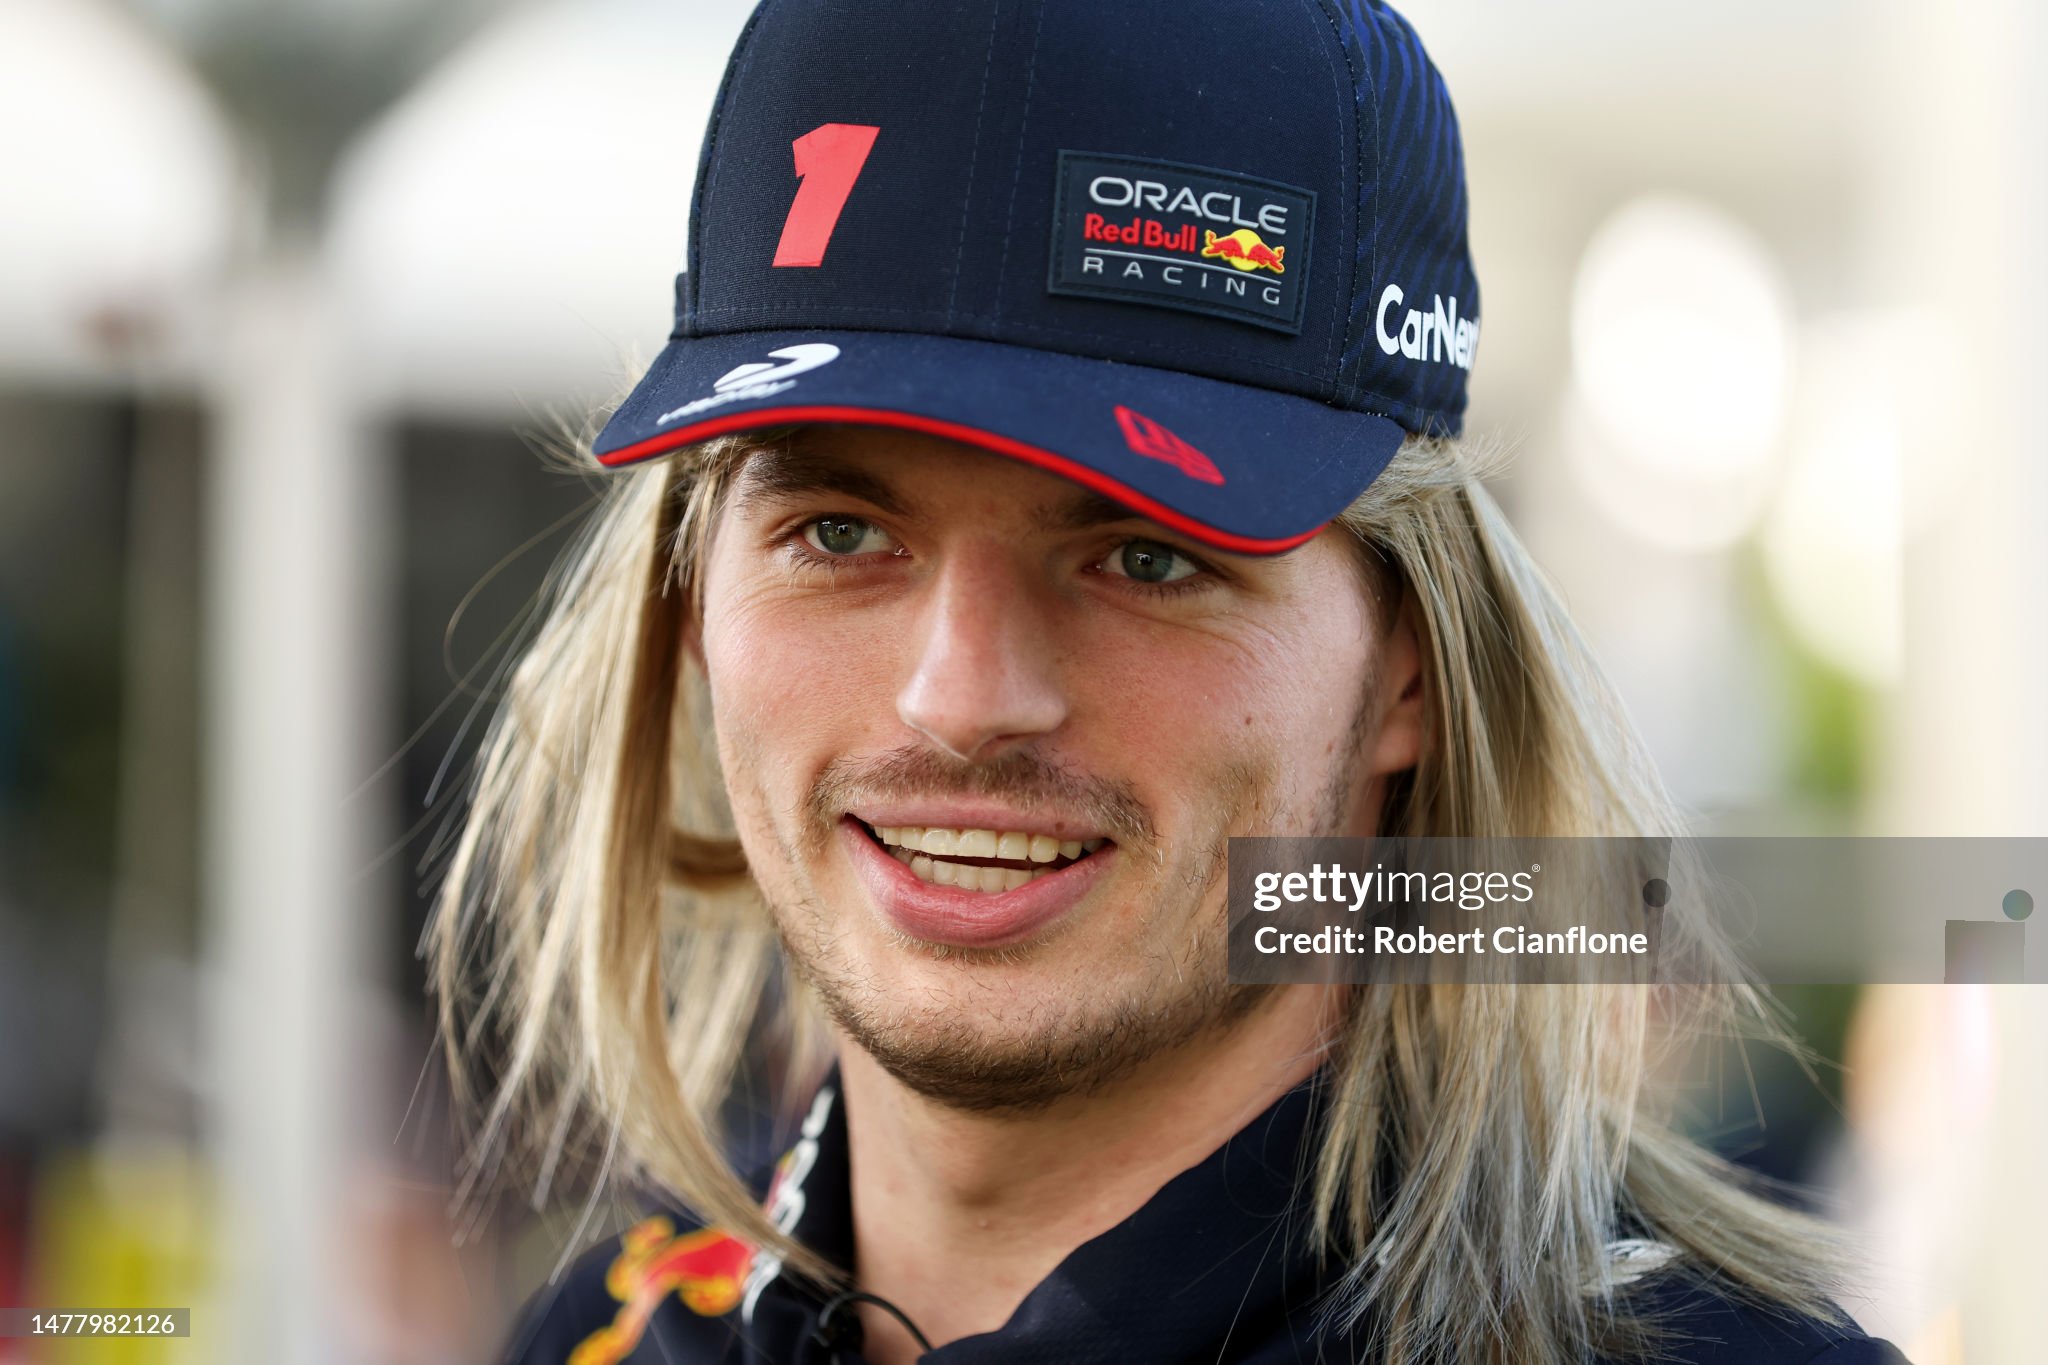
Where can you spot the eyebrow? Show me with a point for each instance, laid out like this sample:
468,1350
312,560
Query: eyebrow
1083,510
782,474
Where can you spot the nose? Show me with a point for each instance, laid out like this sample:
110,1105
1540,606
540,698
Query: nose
986,673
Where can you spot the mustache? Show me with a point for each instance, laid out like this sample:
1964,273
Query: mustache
1018,777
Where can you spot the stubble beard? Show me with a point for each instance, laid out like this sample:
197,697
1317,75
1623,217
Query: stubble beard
1065,1047
1061,1047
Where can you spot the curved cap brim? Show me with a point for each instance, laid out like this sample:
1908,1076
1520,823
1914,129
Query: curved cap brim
1238,468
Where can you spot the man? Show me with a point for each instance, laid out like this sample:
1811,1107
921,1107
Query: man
1051,478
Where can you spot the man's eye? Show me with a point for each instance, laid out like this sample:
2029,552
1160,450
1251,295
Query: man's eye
846,536
1147,561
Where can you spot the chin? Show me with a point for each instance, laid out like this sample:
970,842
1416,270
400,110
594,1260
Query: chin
989,1035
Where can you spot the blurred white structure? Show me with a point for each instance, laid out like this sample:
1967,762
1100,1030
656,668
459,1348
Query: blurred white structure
504,239
498,244
1834,544
1681,360
297,610
122,202
1955,211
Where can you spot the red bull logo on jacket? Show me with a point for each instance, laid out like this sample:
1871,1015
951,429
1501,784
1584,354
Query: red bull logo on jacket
706,1269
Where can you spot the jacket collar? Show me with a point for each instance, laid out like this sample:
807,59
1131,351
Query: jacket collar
1217,1263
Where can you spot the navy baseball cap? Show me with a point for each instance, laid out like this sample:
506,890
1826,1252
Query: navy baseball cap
1205,257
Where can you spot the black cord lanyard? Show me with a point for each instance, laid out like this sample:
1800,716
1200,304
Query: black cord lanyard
839,1328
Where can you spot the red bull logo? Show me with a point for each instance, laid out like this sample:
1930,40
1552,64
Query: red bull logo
1139,232
705,1269
1246,250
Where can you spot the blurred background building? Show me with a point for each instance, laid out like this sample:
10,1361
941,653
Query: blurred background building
290,293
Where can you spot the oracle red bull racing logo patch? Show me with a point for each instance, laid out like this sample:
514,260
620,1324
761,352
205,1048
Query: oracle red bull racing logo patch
1183,237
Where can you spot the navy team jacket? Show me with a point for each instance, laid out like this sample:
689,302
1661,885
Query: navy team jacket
1212,1270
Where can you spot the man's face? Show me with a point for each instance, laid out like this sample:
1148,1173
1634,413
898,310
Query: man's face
937,675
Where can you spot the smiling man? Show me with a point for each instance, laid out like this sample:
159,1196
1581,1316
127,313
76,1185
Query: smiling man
1051,476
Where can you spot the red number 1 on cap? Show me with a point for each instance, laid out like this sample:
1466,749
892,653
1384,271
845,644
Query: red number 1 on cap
828,160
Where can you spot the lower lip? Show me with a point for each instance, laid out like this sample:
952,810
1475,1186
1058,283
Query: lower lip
968,919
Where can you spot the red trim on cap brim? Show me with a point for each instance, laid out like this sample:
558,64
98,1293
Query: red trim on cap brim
974,436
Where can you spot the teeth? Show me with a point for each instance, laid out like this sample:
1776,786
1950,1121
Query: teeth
925,852
1015,845
968,876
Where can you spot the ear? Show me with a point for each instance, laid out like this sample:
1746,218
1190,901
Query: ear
1404,723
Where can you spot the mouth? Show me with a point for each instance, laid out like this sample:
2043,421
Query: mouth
988,861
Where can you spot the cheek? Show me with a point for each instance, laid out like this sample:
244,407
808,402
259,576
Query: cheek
779,691
782,671
753,670
1196,715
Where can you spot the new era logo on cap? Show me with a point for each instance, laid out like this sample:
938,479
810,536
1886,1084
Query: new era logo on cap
1155,442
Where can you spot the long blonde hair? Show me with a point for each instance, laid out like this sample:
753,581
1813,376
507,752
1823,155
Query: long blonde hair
601,956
